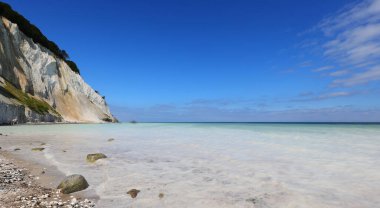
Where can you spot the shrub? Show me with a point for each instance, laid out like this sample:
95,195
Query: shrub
73,66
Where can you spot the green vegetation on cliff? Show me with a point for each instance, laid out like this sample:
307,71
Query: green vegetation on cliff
36,105
35,34
73,66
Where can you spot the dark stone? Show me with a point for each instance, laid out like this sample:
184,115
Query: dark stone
133,193
94,157
73,183
38,149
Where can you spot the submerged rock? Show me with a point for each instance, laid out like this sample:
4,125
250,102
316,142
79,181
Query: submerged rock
110,140
38,149
73,183
133,193
252,200
94,157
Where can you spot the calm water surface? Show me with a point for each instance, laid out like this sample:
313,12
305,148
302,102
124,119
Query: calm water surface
216,165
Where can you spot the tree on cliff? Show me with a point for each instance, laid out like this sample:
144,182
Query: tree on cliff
35,34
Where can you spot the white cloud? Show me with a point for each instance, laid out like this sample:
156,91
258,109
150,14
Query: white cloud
339,73
334,95
323,68
353,41
215,114
351,15
305,64
360,78
324,96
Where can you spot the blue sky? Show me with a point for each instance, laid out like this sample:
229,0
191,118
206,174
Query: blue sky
200,60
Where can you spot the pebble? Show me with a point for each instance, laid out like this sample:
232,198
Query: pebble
13,180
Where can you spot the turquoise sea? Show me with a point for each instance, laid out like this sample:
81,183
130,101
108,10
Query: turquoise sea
215,164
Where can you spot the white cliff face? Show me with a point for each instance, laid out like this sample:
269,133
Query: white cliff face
40,74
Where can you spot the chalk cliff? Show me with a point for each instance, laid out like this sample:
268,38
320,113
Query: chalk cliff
38,86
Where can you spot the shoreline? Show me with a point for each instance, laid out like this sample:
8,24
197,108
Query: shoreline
54,123
199,122
24,183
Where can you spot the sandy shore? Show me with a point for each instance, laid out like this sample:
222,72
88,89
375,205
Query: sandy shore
29,184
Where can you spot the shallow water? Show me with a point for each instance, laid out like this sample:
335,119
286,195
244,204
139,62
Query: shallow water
216,165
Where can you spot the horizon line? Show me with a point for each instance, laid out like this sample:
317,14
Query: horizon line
260,122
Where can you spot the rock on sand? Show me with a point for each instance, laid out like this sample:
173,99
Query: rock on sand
73,183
